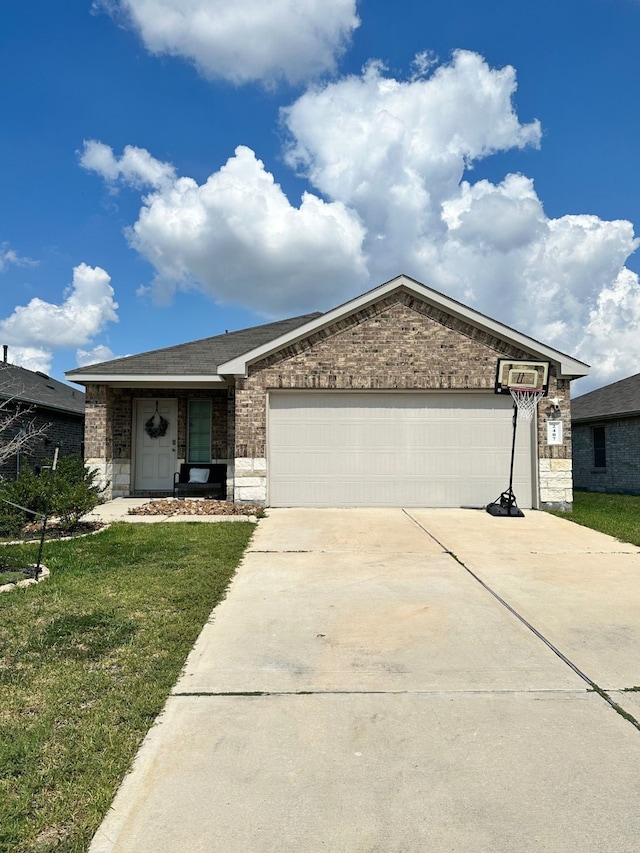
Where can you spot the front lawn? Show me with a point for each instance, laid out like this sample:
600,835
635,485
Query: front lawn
617,515
87,659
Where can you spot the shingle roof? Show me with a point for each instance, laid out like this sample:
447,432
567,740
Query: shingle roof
621,398
39,389
195,357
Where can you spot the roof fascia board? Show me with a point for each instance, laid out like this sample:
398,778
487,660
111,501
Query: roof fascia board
60,410
238,367
613,416
50,407
147,380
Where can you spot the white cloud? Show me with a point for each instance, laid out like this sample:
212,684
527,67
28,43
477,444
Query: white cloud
9,256
35,329
396,151
556,279
392,161
136,168
32,358
238,238
94,356
610,338
247,40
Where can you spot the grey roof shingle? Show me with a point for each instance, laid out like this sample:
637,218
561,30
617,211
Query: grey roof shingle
38,389
621,398
196,357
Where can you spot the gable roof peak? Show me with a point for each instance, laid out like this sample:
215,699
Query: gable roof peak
568,366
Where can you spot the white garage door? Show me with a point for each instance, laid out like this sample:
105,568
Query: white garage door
438,449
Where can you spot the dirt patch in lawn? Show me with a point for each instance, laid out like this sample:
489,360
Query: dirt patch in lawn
55,531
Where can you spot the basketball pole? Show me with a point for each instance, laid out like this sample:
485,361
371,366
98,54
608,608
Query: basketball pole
506,504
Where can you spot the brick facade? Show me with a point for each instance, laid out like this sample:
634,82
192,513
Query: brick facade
621,472
399,342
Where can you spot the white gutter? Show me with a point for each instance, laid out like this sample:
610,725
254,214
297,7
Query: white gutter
141,379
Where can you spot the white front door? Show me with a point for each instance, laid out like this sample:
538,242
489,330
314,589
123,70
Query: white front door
155,449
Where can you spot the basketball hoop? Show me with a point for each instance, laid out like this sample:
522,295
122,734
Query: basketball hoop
527,382
527,399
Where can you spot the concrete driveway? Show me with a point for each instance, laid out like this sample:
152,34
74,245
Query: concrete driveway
398,681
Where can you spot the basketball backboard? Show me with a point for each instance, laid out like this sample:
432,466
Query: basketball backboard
525,375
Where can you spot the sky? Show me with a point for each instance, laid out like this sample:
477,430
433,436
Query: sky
172,169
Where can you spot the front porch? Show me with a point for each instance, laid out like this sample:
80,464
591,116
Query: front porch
135,460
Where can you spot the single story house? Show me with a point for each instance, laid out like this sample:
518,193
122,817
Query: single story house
50,406
387,400
606,438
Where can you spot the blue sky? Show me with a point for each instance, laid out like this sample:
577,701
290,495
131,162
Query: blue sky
173,168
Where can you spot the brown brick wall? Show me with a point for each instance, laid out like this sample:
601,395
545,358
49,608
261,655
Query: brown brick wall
560,388
97,438
398,343
109,413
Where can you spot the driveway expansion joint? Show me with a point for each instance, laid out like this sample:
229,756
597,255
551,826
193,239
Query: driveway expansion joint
281,551
266,693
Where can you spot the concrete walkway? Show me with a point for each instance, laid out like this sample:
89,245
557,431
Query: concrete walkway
402,681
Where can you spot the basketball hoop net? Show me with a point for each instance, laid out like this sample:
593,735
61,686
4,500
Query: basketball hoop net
526,399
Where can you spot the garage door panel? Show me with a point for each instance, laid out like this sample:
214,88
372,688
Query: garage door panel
393,449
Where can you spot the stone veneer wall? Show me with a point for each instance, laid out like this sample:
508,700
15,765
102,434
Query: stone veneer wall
400,342
108,435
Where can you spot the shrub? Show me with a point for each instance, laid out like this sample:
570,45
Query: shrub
29,492
75,492
72,494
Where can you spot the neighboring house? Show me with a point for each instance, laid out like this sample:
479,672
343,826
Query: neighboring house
46,403
387,400
606,438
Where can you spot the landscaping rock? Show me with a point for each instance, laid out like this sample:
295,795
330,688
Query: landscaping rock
28,581
195,506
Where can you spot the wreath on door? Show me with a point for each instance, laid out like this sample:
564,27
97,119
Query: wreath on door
156,426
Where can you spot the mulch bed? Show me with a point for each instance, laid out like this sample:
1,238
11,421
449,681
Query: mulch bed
195,506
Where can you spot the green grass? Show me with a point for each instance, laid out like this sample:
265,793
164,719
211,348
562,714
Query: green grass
87,659
617,515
